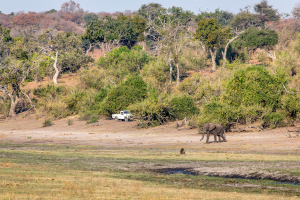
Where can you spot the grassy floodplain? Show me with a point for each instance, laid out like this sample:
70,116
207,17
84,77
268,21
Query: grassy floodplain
77,172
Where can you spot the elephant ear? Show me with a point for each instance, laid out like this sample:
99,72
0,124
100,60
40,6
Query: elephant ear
211,126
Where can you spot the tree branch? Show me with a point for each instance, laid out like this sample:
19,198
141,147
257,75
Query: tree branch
289,91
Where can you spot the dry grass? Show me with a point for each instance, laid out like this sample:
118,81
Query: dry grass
169,155
44,182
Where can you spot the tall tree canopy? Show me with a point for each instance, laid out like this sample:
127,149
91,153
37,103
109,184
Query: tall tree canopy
212,35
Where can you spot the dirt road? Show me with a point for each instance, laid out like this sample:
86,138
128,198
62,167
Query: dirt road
108,133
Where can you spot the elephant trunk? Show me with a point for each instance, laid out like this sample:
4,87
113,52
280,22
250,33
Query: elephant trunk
202,135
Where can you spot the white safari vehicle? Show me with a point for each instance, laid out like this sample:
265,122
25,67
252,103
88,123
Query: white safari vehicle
124,115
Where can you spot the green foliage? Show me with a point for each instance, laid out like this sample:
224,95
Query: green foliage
274,120
5,107
156,73
287,62
297,45
92,79
5,43
89,16
153,111
70,122
74,100
133,90
108,29
183,106
210,32
50,90
291,105
266,12
73,61
51,100
51,11
47,122
256,38
122,61
223,17
254,86
93,119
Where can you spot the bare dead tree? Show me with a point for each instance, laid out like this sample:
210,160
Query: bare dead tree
289,91
237,34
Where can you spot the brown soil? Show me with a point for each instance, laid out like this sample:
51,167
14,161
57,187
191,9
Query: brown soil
69,80
108,133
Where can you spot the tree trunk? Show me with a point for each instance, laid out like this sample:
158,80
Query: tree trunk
225,50
177,67
89,49
171,70
13,104
56,69
226,47
213,55
3,88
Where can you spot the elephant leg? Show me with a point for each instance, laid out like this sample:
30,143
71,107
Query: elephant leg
215,136
207,138
224,140
219,138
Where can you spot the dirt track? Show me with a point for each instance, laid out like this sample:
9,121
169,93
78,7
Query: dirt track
108,133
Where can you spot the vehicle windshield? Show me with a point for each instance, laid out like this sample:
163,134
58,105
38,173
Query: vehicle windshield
126,112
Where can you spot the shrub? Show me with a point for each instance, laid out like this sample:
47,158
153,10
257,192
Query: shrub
93,119
254,86
183,106
291,105
121,62
151,112
131,91
50,90
217,112
70,122
273,120
47,122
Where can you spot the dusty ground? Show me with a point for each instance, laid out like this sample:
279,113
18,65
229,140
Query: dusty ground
108,133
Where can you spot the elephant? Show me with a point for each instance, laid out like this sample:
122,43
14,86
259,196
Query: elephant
215,129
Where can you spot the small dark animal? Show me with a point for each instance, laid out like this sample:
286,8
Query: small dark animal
182,151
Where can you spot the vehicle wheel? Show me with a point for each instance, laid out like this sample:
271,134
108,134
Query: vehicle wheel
126,119
116,119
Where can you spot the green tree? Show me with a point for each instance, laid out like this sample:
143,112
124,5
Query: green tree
224,18
212,35
131,91
89,16
108,32
65,49
254,38
266,13
254,86
183,106
15,69
5,42
122,61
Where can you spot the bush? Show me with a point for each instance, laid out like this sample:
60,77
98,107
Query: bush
274,120
183,106
254,86
217,112
151,112
70,122
131,91
93,119
291,105
122,61
47,122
